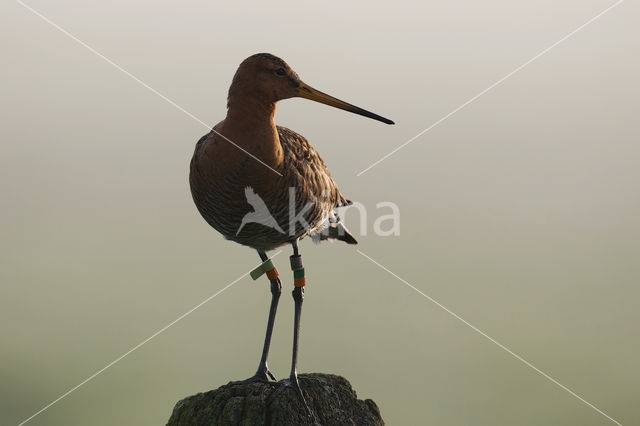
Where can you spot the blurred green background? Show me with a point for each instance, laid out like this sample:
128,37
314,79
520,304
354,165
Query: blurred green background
519,213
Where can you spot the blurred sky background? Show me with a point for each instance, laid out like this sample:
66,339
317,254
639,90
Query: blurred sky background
519,213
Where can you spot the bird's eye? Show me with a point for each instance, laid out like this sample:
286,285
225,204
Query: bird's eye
281,72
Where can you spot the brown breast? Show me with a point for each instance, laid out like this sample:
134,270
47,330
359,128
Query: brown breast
219,179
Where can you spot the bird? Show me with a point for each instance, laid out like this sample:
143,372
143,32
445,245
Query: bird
264,186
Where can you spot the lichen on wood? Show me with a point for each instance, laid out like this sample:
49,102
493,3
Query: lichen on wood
331,398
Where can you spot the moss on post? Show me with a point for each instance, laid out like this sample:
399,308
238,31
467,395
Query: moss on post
331,398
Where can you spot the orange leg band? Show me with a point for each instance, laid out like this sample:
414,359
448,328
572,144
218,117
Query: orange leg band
272,274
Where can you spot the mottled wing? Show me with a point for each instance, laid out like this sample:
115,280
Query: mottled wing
304,168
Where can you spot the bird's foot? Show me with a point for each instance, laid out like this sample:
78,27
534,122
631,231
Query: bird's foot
291,382
262,375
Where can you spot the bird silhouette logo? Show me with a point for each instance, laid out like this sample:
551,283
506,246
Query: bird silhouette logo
260,213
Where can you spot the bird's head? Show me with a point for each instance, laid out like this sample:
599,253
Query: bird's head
268,78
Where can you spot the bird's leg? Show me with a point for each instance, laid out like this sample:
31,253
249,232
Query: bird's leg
298,296
276,290
263,374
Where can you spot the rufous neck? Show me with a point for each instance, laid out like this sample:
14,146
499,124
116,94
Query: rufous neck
250,124
251,111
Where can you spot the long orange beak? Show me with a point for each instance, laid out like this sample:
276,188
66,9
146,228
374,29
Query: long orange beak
308,92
